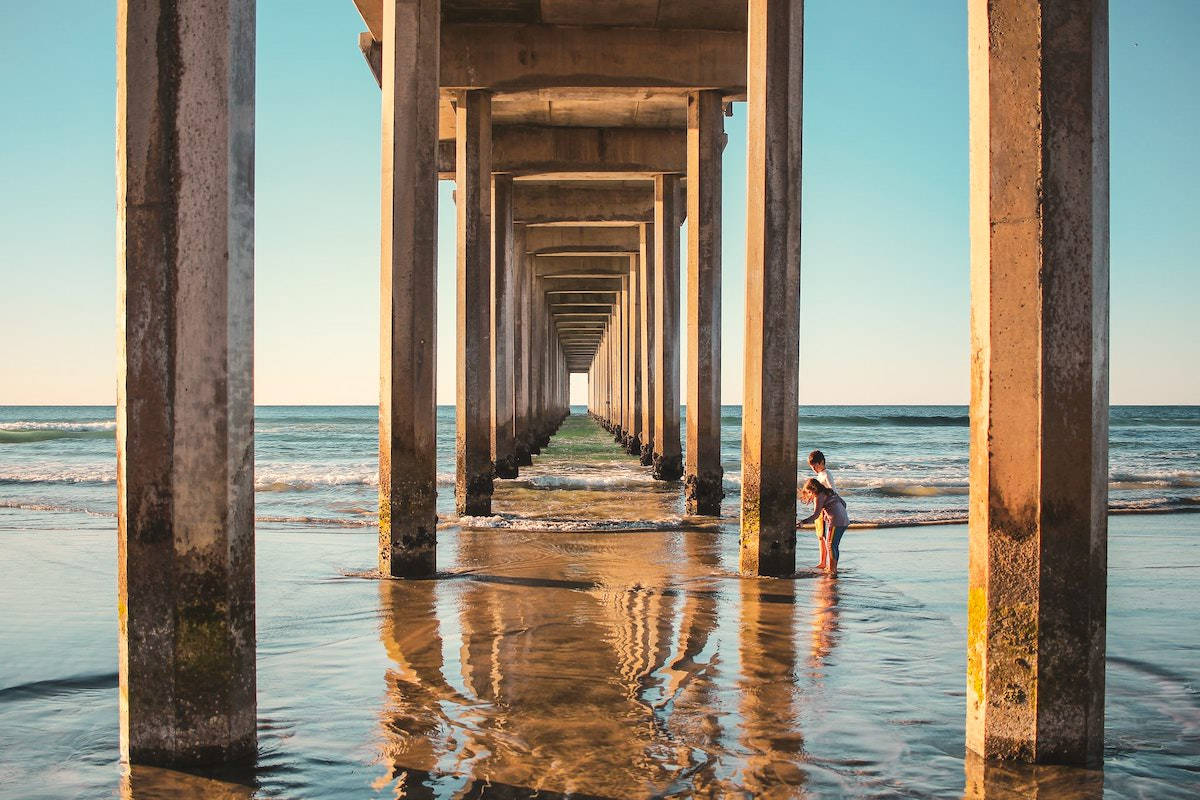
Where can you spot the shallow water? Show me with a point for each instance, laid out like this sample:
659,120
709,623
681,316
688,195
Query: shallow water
595,661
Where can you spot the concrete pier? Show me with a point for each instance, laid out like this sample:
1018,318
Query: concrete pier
668,458
503,422
705,143
1039,380
521,353
473,448
633,442
408,293
185,405
647,307
771,385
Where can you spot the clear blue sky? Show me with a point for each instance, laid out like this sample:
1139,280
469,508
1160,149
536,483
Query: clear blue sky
885,260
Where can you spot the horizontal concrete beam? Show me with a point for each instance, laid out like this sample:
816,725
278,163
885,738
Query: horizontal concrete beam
579,308
525,150
584,298
581,266
539,203
575,286
539,240
516,58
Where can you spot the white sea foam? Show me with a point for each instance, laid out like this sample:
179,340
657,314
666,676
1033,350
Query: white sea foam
518,523
24,425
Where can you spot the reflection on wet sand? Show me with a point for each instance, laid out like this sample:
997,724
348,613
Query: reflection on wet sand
589,665
771,737
824,623
989,780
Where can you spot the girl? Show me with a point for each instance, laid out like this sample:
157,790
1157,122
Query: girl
831,509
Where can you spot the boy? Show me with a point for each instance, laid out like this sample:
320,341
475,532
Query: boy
816,462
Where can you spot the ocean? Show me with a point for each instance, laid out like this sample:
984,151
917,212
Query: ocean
317,465
588,640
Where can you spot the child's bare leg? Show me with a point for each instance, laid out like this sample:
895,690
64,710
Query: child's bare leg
822,544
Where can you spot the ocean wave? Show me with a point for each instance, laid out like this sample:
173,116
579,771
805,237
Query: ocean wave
84,473
889,420
29,431
18,505
565,525
585,482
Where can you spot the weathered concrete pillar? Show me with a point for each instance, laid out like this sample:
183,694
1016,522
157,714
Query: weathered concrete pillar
1039,380
647,303
633,444
473,446
668,460
503,422
621,347
521,324
185,405
705,142
408,292
771,388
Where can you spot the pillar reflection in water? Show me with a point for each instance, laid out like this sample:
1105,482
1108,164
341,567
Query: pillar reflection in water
153,783
418,737
994,780
771,736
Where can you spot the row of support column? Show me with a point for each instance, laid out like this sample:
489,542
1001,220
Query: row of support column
1039,231
511,376
640,404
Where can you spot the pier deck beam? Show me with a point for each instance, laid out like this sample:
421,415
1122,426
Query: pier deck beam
769,414
408,294
473,449
185,405
1039,380
668,458
705,142
503,431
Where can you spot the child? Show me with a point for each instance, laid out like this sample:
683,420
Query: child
816,462
831,509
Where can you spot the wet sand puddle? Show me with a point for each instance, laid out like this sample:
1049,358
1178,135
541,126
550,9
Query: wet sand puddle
591,641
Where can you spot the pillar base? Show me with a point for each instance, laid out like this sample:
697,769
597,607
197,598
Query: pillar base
475,498
507,467
618,435
647,455
668,468
523,456
704,494
633,445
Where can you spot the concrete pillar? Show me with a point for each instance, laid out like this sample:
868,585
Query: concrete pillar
620,345
633,444
408,292
771,389
503,422
705,142
521,348
473,445
647,303
185,405
668,460
1039,380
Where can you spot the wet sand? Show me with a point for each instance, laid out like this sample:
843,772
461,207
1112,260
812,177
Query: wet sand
592,663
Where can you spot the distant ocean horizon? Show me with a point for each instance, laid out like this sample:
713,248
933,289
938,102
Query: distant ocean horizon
317,465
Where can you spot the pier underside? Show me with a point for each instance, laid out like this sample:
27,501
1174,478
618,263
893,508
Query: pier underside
580,136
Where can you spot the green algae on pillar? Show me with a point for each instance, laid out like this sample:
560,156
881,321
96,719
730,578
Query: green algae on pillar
473,445
772,358
185,405
1039,380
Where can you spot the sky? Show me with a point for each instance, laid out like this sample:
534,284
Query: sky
885,253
